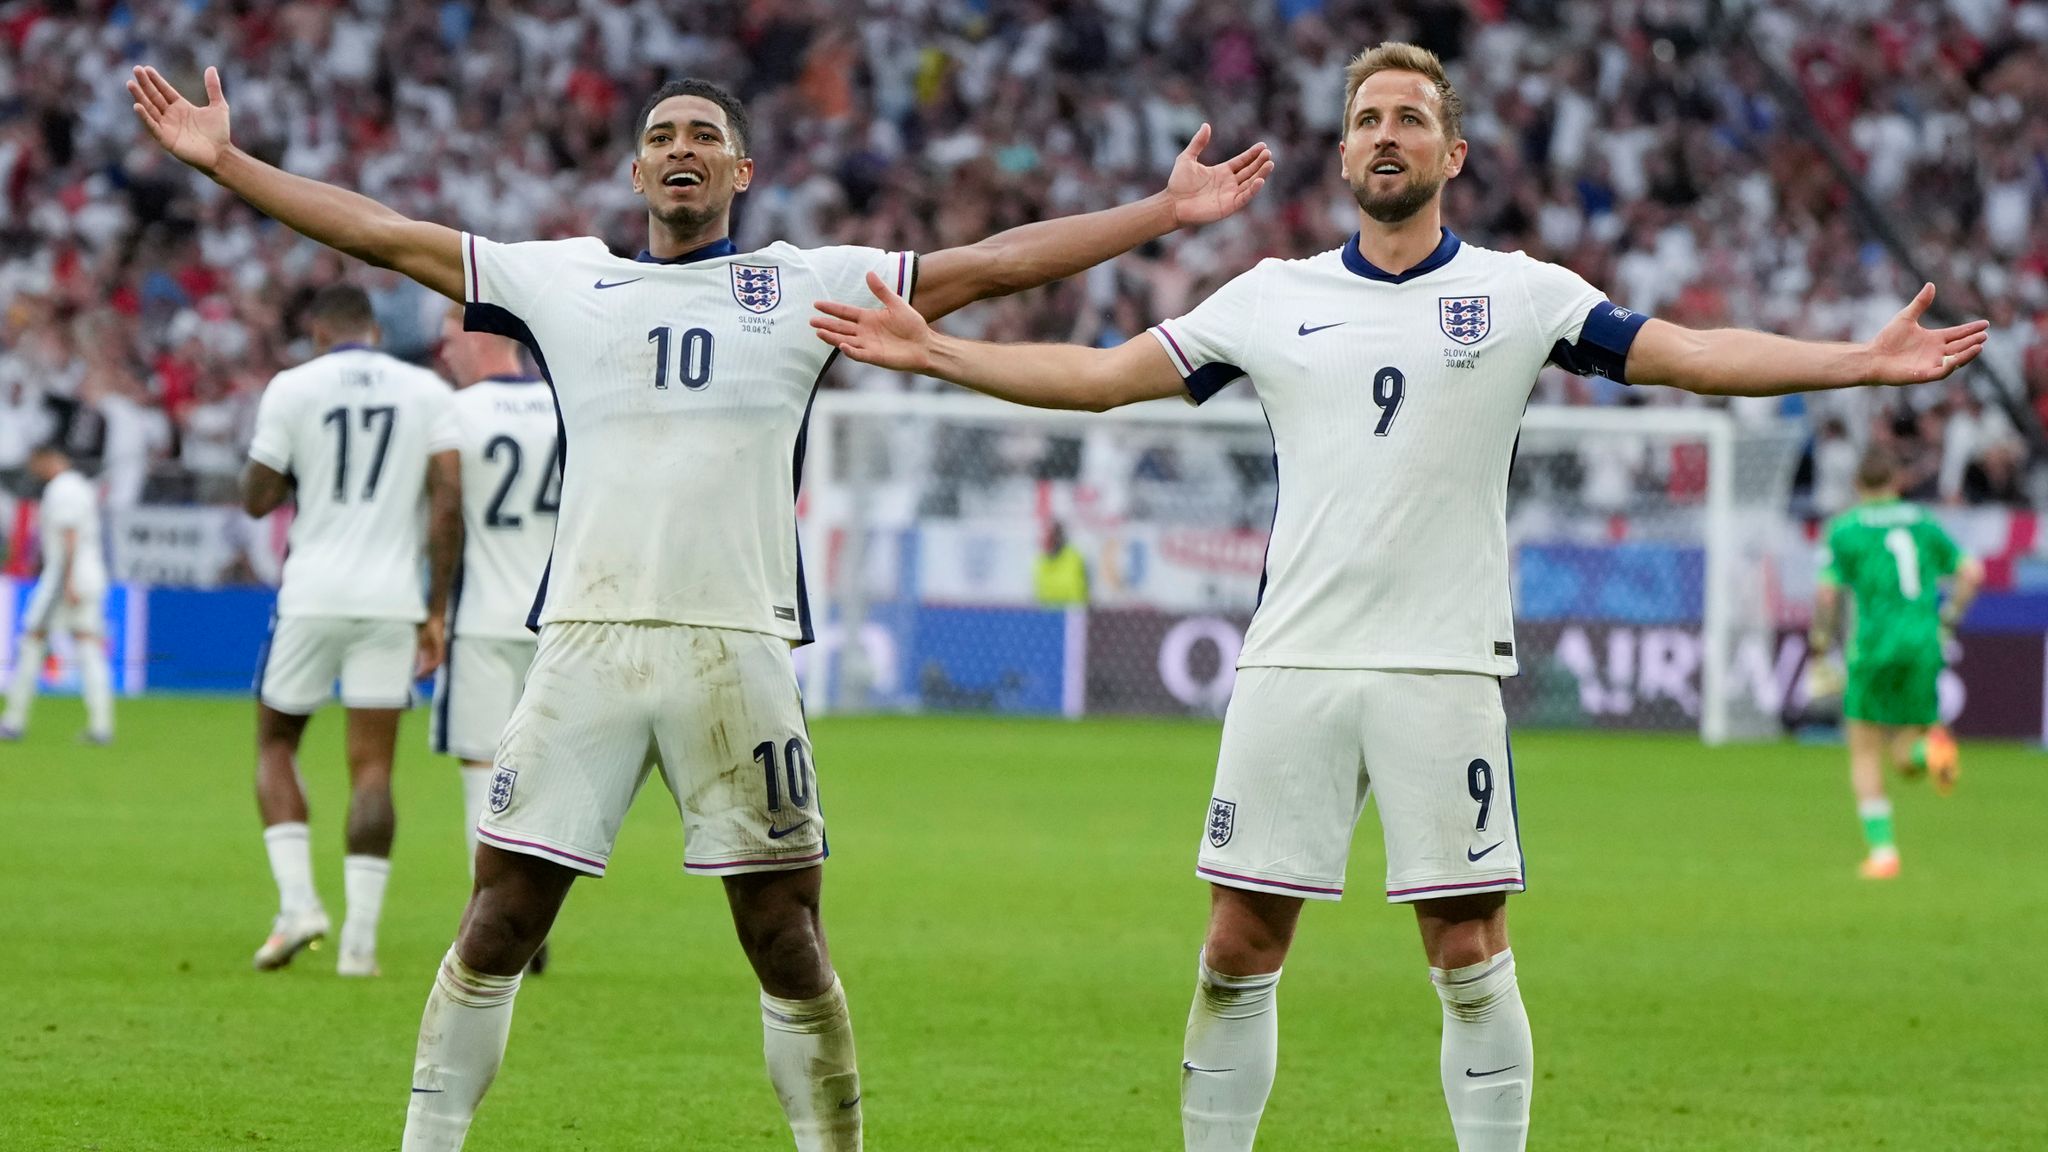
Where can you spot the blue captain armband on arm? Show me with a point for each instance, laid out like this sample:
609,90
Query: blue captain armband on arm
1603,343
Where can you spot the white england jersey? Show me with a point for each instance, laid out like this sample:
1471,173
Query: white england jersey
684,388
511,485
1395,403
71,504
354,429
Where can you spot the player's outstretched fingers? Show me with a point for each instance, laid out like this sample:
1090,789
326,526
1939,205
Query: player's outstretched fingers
880,288
834,326
1917,306
847,312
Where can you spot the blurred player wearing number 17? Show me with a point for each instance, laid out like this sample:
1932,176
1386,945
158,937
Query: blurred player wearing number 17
1394,372
683,380
1887,558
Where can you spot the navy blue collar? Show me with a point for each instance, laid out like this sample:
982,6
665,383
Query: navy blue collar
515,378
351,346
1445,249
723,246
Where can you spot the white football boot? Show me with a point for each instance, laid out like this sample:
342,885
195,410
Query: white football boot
289,934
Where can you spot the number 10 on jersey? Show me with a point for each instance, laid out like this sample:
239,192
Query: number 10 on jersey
692,357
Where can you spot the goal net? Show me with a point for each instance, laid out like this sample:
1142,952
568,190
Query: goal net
964,554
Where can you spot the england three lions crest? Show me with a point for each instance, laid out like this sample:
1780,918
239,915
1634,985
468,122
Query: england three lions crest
1466,319
757,287
1222,822
502,782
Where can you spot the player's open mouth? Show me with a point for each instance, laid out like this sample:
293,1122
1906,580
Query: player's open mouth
682,180
1388,168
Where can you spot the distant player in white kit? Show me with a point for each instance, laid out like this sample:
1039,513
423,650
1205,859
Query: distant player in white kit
69,597
367,444
683,379
1394,371
511,487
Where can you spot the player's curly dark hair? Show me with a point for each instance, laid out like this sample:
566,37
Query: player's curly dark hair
735,111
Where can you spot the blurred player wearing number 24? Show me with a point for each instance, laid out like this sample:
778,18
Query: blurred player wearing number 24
1394,372
675,591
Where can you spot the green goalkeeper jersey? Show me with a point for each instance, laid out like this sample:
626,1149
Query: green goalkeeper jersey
1891,557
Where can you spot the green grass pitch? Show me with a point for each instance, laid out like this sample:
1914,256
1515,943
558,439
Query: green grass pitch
1013,908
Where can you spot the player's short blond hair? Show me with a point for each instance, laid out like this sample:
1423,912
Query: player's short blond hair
1394,56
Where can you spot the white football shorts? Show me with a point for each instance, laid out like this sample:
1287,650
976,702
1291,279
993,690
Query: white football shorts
474,693
717,711
1304,747
306,655
48,611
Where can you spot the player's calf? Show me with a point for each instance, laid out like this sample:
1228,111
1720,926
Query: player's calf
1232,1044
806,1034
1487,1060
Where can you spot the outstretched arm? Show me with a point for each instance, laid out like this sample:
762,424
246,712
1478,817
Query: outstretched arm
895,336
1736,362
336,217
1049,250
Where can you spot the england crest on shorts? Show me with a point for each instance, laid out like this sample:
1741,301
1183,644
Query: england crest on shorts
501,788
1466,319
757,287
1222,822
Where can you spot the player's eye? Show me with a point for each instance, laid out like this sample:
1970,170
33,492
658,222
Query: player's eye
1412,119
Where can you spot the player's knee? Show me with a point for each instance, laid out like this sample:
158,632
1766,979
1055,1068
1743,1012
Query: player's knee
1458,937
783,944
1244,947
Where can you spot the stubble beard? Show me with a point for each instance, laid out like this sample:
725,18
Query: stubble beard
687,221
1397,206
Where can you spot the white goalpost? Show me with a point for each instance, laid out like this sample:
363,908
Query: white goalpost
1646,545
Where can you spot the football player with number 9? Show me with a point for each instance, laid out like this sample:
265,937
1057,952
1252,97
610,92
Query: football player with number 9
1394,372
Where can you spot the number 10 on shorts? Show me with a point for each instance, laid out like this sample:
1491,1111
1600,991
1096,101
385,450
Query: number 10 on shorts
794,771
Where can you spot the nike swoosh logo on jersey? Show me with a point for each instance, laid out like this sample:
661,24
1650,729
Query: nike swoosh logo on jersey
1473,857
1305,330
1495,1072
1187,1066
617,283
775,833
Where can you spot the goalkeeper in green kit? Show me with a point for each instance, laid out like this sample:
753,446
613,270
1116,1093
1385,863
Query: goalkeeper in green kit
1888,558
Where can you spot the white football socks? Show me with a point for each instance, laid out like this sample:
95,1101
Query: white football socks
291,865
96,681
809,1046
363,878
28,674
462,1042
1488,1060
476,785
1226,1072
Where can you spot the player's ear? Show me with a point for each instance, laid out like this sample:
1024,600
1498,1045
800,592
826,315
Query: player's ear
743,174
1454,160
637,186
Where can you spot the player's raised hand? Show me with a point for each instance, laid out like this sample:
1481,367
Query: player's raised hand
1905,353
1204,193
197,135
892,336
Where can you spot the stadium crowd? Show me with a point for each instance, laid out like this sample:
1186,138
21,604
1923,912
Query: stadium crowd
144,308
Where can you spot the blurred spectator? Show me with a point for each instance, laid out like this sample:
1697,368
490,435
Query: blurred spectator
1614,138
1060,576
